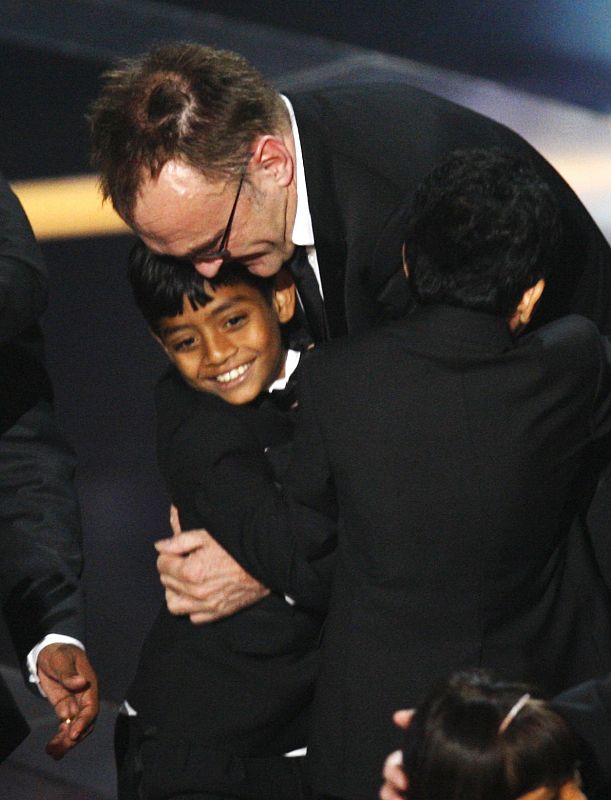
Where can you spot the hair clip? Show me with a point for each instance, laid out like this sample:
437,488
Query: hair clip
513,713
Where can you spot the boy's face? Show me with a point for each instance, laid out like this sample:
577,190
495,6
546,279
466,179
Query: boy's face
232,346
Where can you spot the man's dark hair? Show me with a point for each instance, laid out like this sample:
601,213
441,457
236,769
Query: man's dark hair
461,744
484,228
160,283
184,101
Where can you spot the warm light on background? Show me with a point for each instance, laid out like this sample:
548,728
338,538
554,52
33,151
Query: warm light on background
67,207
71,206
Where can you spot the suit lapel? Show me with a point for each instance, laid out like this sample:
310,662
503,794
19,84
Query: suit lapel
329,232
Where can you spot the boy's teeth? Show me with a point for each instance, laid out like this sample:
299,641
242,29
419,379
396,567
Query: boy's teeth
232,374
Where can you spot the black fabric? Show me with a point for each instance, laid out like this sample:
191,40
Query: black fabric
23,275
588,708
240,688
40,559
309,294
151,768
24,382
13,727
365,149
452,450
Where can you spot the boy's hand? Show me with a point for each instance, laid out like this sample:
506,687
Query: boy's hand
201,579
395,779
70,684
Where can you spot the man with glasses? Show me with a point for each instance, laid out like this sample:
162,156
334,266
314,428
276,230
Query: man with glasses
206,161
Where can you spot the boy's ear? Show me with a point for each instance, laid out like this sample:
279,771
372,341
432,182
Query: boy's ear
159,341
404,259
284,297
526,307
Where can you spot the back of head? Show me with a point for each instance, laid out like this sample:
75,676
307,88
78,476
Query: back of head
463,744
484,228
182,101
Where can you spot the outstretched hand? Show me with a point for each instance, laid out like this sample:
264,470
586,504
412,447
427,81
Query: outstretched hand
395,779
71,686
200,578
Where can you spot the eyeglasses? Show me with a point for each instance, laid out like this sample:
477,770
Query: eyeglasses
223,253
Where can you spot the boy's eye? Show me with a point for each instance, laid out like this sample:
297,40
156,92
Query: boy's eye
235,321
183,344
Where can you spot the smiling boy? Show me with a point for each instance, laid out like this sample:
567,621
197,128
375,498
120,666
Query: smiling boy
231,345
217,707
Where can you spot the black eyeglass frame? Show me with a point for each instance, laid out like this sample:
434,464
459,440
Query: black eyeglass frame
223,253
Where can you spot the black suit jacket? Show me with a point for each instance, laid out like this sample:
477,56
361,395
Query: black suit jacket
23,276
452,450
244,684
40,552
588,708
365,149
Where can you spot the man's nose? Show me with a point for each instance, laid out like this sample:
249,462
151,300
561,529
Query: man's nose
208,268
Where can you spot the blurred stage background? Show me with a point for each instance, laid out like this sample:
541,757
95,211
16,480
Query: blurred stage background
542,66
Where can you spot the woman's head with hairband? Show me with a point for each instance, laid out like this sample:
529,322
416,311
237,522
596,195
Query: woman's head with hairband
475,738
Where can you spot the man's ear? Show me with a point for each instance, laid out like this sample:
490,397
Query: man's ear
526,307
284,297
271,154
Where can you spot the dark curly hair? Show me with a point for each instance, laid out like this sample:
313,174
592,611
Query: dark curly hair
484,227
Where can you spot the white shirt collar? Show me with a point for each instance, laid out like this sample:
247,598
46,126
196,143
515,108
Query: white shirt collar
290,365
303,232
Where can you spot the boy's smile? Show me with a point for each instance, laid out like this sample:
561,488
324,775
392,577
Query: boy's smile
231,346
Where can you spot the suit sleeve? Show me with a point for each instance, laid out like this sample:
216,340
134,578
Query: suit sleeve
40,537
23,278
287,545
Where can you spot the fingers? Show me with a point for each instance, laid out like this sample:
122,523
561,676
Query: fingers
213,598
183,543
395,780
403,717
70,684
68,735
216,599
200,562
177,573
77,714
175,521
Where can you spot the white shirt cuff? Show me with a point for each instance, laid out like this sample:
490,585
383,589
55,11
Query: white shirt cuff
32,659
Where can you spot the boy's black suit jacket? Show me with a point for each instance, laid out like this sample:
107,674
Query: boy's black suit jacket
244,684
365,150
452,450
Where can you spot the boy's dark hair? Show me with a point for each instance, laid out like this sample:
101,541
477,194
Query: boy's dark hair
456,747
159,283
184,101
484,228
